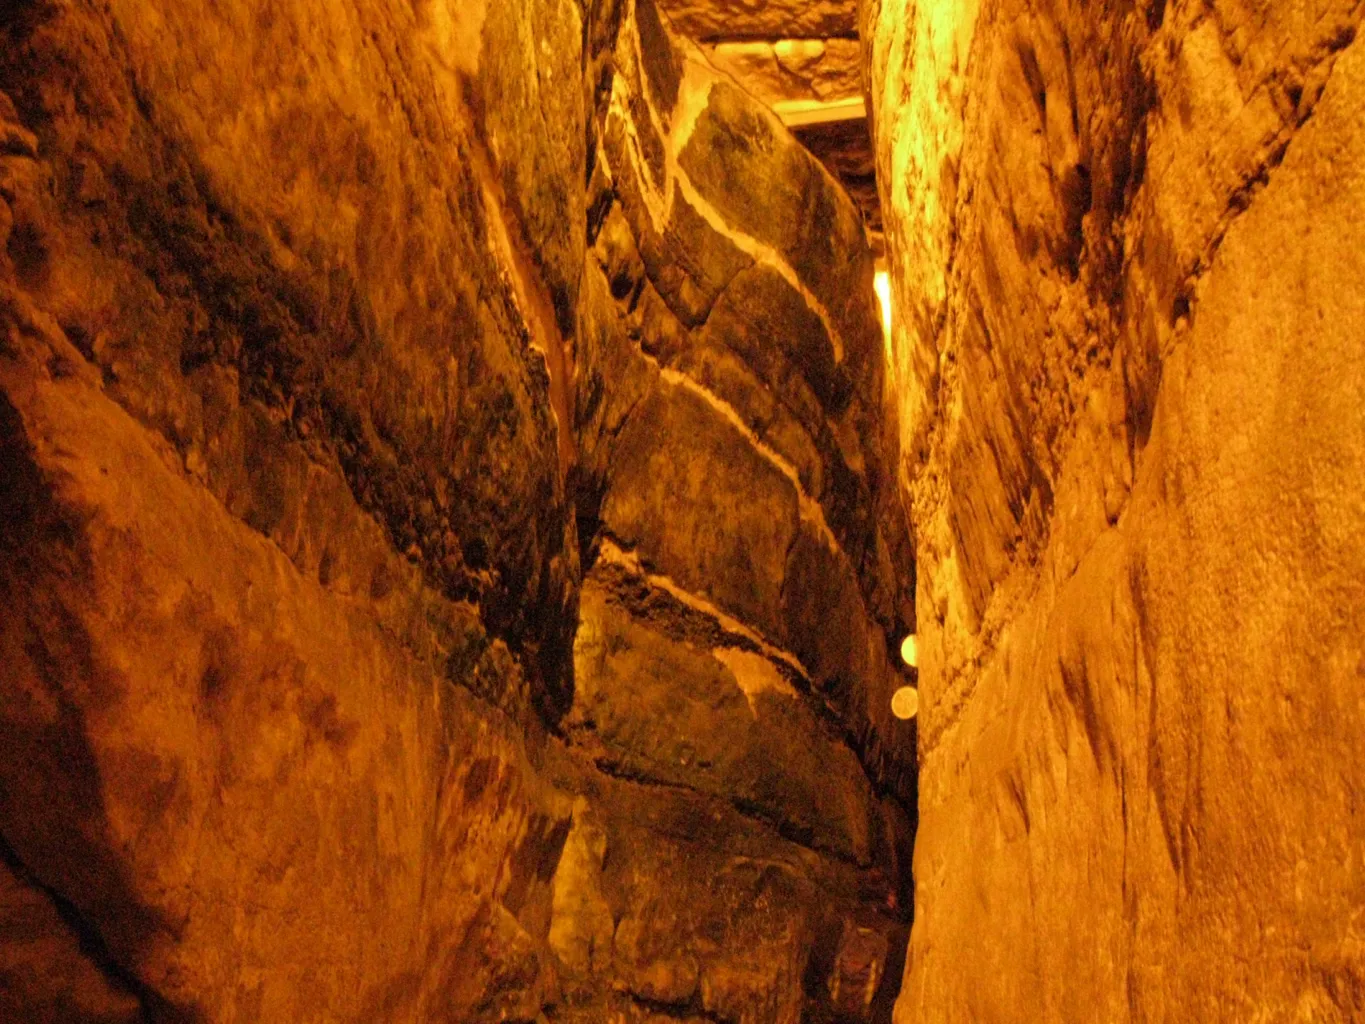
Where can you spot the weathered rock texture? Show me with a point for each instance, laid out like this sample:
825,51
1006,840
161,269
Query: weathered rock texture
792,69
712,20
793,52
845,148
1127,250
286,583
745,564
449,554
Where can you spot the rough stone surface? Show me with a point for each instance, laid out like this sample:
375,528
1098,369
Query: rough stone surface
1126,247
708,20
845,148
449,551
781,70
228,770
45,975
730,417
742,443
785,53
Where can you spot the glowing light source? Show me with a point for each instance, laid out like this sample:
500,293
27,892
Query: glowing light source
905,703
882,283
910,651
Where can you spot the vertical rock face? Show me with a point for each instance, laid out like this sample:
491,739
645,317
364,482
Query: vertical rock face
744,567
287,565
1126,248
450,555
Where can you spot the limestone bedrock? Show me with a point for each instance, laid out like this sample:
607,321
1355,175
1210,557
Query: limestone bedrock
450,555
1126,248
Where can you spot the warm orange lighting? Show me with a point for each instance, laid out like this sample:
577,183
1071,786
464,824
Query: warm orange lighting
910,651
905,703
882,283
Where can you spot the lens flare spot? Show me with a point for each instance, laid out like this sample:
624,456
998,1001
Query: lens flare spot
905,703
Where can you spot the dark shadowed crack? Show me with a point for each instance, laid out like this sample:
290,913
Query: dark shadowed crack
155,1009
797,835
674,619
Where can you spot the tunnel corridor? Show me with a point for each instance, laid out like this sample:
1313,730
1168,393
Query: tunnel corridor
724,512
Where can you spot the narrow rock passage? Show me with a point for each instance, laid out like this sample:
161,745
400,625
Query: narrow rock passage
470,546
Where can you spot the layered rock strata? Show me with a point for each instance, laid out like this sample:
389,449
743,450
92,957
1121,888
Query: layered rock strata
449,558
1126,249
745,560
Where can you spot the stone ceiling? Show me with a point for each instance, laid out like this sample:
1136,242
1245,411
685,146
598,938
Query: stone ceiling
802,59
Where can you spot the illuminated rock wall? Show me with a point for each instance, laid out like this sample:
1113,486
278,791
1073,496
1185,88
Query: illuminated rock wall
796,56
745,569
285,575
1127,252
449,558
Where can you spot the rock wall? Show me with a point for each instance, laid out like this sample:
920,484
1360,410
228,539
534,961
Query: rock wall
449,559
1126,249
741,587
797,57
288,566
